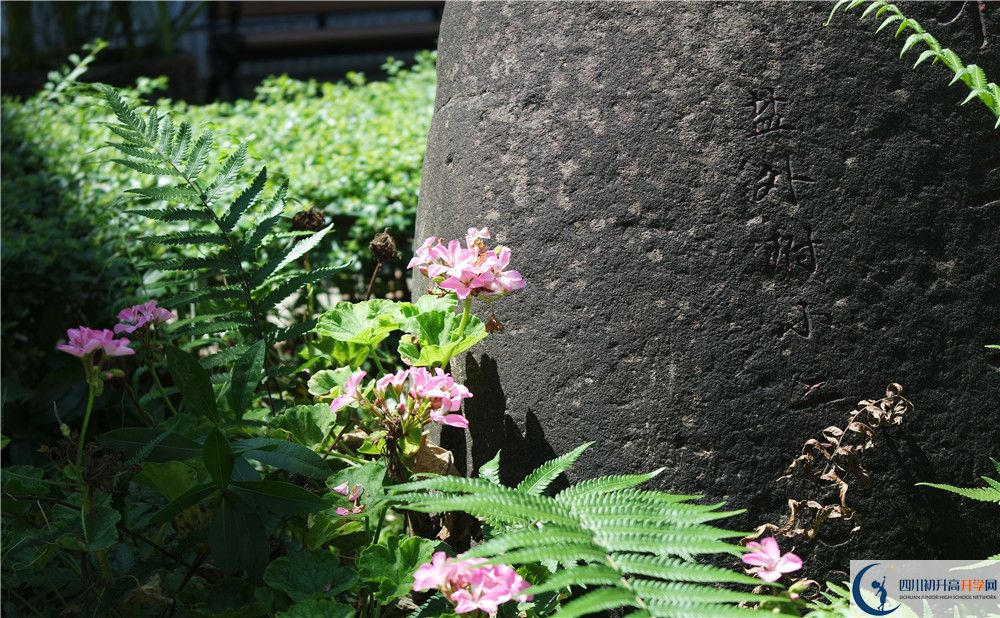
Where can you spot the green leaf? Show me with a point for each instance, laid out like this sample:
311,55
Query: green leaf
193,382
278,496
289,255
247,374
311,574
366,323
132,440
285,455
433,337
244,201
371,477
391,566
24,481
227,174
539,480
289,286
237,538
218,458
491,470
172,214
171,478
318,608
97,532
198,156
323,382
307,424
183,502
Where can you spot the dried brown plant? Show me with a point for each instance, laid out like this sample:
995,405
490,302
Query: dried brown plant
834,458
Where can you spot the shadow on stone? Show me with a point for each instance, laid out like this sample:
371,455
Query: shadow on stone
492,429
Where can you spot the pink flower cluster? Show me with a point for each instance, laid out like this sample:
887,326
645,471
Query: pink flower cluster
137,316
353,496
469,584
768,561
412,391
472,270
84,341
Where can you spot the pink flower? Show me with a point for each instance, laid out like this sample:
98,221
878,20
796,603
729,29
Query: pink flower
135,317
768,562
434,574
84,341
343,489
351,394
469,585
472,270
444,393
452,420
353,496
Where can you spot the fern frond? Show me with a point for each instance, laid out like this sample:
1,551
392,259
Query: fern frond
539,480
607,484
166,194
224,357
606,534
198,157
244,201
972,76
982,494
292,332
219,293
288,287
171,214
288,256
185,238
227,174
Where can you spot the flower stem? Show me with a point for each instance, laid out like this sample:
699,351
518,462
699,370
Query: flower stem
466,312
83,430
159,386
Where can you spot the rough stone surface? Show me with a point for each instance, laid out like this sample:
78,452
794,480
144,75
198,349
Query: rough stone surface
695,263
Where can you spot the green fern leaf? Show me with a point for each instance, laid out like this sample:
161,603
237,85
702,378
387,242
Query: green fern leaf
227,174
225,357
606,484
244,201
198,157
539,480
181,143
491,470
122,110
219,293
166,194
982,494
600,600
289,286
604,533
172,214
145,168
588,575
288,256
292,332
273,213
185,238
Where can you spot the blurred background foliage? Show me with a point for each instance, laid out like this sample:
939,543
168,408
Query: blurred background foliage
351,151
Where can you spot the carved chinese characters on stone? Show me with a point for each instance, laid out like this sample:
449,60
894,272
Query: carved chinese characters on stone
792,253
767,115
806,321
782,179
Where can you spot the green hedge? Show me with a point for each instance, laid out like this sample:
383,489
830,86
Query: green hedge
353,150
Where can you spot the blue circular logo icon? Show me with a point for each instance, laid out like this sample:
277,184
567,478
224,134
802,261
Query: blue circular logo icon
880,591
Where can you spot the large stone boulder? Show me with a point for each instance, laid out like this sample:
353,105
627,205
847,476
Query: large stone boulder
734,224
